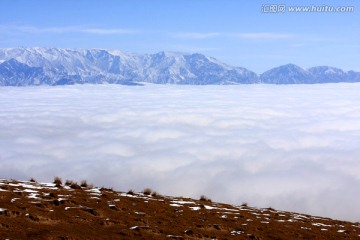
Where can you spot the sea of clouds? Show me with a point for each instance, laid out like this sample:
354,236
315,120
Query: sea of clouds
290,147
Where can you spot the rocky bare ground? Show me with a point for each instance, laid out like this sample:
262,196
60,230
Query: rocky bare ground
32,210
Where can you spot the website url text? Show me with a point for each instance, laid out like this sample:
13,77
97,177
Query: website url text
282,8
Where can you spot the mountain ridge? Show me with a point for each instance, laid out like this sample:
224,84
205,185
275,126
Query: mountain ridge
62,66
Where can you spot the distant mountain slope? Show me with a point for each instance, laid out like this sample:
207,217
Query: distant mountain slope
12,70
55,66
328,74
292,74
353,76
287,74
68,66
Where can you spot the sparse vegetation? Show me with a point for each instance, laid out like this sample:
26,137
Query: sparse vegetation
131,192
204,198
244,204
84,183
58,181
106,189
147,191
53,195
84,214
68,182
74,185
32,180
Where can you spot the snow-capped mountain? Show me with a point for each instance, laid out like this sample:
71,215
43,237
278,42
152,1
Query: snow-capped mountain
68,66
353,76
292,74
195,68
56,66
328,74
12,70
287,74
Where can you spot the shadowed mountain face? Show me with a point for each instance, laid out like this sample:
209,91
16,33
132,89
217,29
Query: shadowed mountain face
292,74
12,70
31,210
287,74
55,66
329,74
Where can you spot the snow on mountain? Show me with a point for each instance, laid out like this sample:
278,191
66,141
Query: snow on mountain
67,66
328,74
12,70
168,67
287,74
292,74
353,76
55,66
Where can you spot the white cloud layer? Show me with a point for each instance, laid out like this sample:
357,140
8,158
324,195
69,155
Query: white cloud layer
265,36
67,29
290,147
249,35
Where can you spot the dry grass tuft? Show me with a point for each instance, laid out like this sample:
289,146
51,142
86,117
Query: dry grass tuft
74,185
147,191
84,183
205,199
69,182
131,192
106,189
53,195
58,181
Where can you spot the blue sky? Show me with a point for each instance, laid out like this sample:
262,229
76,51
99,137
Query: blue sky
235,32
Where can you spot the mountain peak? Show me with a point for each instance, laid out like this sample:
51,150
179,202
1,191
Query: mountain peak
286,74
330,74
77,66
103,66
171,54
289,67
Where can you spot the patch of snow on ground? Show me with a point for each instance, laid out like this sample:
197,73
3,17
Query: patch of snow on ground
182,202
175,205
321,225
210,207
195,208
33,195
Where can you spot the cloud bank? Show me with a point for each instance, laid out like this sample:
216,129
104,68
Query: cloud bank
67,29
289,147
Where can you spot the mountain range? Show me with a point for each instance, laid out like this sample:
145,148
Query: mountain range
55,66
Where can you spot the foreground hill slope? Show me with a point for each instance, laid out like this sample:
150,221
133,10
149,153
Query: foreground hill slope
31,210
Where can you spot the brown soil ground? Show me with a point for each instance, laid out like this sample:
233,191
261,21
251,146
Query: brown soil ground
31,210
